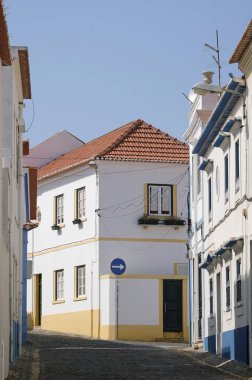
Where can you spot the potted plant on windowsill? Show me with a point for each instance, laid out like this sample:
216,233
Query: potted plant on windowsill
168,221
77,221
55,227
148,220
172,221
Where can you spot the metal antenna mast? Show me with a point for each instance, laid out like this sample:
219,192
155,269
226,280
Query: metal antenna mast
217,60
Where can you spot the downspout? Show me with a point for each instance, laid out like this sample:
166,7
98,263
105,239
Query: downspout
246,237
190,260
93,164
20,130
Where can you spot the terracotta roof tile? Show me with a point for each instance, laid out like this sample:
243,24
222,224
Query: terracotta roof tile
243,44
136,141
4,38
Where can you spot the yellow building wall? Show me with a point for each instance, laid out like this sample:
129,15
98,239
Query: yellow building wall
87,322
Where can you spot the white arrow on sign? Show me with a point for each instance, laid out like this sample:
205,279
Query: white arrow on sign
120,266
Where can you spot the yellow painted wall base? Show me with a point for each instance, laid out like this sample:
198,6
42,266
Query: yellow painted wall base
81,323
30,321
146,333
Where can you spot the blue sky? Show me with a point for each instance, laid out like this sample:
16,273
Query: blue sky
98,64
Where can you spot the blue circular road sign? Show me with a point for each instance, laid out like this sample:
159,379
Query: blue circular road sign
118,266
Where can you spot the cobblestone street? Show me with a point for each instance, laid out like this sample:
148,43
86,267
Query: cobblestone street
56,356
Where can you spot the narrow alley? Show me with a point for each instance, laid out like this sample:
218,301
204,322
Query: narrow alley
58,356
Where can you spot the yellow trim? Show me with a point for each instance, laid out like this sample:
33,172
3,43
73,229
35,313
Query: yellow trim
62,247
54,210
83,298
175,268
146,199
92,240
30,321
61,225
146,276
75,203
175,201
58,301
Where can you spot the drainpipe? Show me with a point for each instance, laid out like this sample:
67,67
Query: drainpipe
246,237
20,130
93,164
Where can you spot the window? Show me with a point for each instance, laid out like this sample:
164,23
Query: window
210,198
80,203
226,178
237,165
59,207
59,285
160,200
211,295
228,287
238,281
80,281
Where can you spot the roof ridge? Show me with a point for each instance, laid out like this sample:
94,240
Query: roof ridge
134,125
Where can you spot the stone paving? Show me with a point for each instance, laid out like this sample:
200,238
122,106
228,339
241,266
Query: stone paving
59,357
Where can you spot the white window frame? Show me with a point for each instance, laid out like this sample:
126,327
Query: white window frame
59,285
228,287
226,177
211,297
59,209
80,281
210,198
160,205
237,165
81,203
238,281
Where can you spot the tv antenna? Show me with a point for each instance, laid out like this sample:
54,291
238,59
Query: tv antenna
217,51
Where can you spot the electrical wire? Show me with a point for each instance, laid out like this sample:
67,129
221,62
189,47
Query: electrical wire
171,180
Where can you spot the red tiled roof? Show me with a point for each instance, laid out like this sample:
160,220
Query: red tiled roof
4,38
136,141
243,44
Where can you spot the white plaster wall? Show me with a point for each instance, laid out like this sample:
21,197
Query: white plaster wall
122,197
142,257
138,302
122,203
108,301
227,222
70,233
67,259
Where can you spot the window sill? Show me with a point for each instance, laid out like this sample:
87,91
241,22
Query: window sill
58,301
238,304
57,226
79,220
82,298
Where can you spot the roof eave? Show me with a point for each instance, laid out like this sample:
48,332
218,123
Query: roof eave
242,45
222,110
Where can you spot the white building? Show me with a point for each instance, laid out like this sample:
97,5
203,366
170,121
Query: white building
200,111
221,217
109,255
14,88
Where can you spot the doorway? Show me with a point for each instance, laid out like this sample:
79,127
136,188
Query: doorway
218,314
37,299
172,305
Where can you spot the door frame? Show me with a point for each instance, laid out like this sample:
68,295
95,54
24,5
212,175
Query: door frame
180,281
